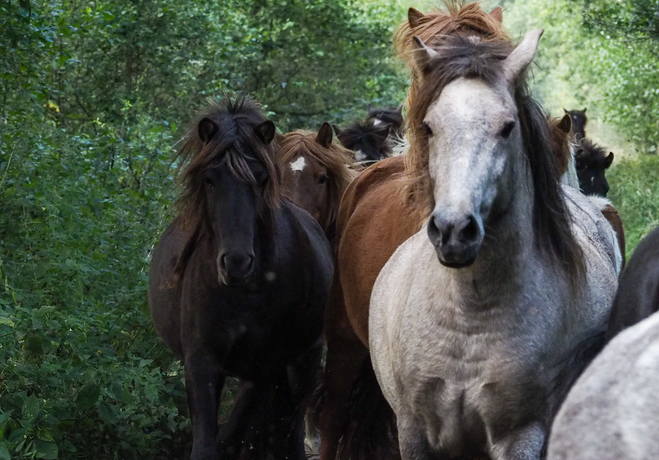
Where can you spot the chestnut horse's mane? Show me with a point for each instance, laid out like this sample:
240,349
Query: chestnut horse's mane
469,52
335,158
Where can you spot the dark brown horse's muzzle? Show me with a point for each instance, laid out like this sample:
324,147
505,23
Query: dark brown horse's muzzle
235,268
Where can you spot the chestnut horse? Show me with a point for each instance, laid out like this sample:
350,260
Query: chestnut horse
316,172
238,286
369,229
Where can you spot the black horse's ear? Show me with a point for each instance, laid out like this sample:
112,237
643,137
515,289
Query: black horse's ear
565,124
325,134
207,129
414,16
565,110
266,131
337,130
608,160
584,110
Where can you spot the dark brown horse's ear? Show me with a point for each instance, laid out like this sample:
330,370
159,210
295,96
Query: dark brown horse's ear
565,124
414,16
266,131
497,14
325,134
608,161
337,130
207,129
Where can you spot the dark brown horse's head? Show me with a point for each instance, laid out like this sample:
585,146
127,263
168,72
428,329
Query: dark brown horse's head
592,161
231,185
579,121
390,116
367,140
315,172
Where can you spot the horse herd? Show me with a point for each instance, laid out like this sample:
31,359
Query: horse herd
457,277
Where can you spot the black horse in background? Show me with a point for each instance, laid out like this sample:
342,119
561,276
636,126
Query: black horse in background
238,286
374,138
591,160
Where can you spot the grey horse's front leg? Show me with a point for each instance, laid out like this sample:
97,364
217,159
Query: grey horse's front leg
412,439
204,381
523,444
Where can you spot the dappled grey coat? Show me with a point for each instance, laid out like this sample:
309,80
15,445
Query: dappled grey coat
612,412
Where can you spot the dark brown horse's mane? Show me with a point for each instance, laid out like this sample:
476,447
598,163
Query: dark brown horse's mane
335,158
464,56
235,139
366,131
591,153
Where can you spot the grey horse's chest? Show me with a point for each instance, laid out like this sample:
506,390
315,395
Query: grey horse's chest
484,372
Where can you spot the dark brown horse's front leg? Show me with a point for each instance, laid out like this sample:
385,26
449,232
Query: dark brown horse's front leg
204,381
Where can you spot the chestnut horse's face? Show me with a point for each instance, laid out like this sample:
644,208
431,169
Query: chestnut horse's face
475,147
305,182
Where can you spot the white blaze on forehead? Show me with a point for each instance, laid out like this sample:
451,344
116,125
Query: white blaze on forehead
298,165
377,122
359,155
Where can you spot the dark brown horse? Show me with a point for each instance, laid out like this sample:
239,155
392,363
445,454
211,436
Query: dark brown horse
315,173
592,161
369,142
579,121
237,287
390,116
369,229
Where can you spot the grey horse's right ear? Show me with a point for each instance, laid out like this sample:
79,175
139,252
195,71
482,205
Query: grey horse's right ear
337,130
517,62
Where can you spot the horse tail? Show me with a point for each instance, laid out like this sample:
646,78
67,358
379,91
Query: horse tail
315,406
371,431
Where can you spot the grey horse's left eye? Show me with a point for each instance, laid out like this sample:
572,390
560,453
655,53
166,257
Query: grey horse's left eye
507,129
426,128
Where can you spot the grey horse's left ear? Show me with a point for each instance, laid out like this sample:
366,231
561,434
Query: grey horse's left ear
266,131
565,124
325,134
515,64
423,53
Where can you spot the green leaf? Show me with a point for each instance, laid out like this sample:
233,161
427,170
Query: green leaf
88,396
46,449
31,408
4,452
106,413
6,321
16,436
33,343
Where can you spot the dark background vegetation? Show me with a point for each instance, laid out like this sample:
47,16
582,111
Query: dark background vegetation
93,97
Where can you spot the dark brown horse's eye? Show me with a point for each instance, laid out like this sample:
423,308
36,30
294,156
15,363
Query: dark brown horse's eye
208,183
507,129
426,129
322,179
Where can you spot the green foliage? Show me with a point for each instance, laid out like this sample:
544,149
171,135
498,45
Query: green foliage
599,54
92,98
635,191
